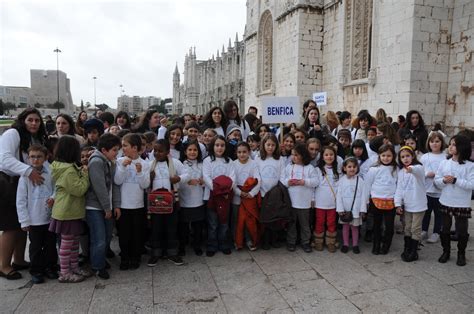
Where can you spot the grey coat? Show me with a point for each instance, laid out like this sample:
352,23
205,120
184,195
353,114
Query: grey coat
101,176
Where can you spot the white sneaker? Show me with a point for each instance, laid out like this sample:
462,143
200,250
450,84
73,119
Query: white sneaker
434,238
424,235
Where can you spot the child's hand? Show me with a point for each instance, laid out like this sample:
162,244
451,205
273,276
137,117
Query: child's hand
448,179
26,228
164,122
126,161
293,182
399,211
194,182
430,174
201,181
108,214
245,195
301,182
50,202
409,169
117,213
138,167
175,179
85,168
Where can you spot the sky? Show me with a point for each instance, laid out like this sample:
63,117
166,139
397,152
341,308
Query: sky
134,43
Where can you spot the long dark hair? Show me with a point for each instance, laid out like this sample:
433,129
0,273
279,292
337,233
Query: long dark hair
385,148
212,153
144,124
207,120
68,150
69,120
321,163
125,115
228,106
414,161
301,150
360,144
306,125
183,157
25,136
173,127
463,147
421,123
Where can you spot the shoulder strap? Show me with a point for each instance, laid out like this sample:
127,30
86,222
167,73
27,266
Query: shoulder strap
355,193
330,186
152,173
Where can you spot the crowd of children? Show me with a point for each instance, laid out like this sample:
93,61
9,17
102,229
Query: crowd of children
223,178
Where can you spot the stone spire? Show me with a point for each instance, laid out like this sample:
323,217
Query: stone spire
236,38
230,45
176,69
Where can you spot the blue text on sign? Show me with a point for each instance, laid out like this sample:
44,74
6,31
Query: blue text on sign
278,111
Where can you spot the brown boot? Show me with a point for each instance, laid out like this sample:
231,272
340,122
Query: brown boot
318,242
331,241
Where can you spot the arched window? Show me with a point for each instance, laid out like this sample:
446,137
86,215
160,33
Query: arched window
265,52
358,31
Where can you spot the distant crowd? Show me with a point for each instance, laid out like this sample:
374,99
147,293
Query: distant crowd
223,182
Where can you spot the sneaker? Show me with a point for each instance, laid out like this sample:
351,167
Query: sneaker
344,249
37,279
104,274
227,251
152,261
424,235
176,259
210,253
355,249
83,272
51,274
70,278
291,247
434,238
307,248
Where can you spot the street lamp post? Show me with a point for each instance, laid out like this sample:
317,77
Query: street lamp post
95,103
57,72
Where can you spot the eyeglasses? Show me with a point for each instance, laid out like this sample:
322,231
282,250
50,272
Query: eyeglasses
36,157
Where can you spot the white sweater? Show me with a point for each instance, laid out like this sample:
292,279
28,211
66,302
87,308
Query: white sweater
300,195
10,155
242,172
411,191
380,182
324,197
346,189
431,163
31,200
270,171
191,195
214,168
132,184
458,194
161,179
364,168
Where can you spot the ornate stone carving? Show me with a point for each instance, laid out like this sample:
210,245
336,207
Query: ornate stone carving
265,51
358,26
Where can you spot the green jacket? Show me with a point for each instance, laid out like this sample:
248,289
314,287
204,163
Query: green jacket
71,186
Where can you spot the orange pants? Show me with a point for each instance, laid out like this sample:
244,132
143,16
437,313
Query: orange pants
249,221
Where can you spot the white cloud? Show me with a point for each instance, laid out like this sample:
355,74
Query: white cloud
134,43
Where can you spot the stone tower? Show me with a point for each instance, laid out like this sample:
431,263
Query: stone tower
176,80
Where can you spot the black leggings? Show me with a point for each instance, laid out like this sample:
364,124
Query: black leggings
183,230
380,217
461,224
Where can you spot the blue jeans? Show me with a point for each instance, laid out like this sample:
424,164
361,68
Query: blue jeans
217,233
100,234
433,206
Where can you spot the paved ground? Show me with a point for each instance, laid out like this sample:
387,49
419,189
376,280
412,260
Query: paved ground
264,281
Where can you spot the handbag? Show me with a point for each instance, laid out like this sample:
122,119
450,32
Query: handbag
162,201
347,217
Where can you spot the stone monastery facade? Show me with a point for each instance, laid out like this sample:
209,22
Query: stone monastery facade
366,54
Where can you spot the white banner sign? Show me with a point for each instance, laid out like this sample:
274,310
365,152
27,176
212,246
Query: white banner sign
321,98
280,109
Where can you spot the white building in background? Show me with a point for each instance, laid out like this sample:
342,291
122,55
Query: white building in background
44,86
43,90
366,54
211,82
136,104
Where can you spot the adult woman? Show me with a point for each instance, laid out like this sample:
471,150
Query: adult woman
231,111
415,125
307,105
312,124
81,119
123,120
26,130
149,121
65,126
216,120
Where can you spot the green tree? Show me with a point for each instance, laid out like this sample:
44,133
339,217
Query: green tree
2,111
37,105
82,105
8,106
102,107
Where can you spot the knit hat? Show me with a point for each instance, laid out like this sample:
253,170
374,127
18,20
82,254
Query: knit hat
93,123
231,128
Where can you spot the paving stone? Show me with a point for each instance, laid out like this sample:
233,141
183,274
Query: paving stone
7,285
466,288
212,305
11,299
385,301
122,298
56,297
183,284
279,260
